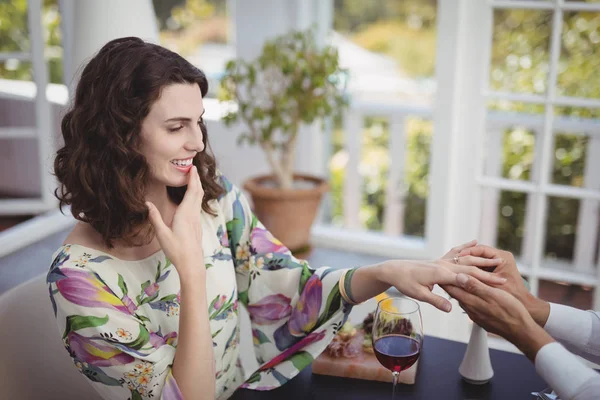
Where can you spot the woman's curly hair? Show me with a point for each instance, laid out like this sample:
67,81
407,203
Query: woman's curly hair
101,172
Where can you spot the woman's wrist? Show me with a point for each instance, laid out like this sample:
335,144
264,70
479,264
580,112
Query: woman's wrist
387,270
365,282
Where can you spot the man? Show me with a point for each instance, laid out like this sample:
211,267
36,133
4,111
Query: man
538,328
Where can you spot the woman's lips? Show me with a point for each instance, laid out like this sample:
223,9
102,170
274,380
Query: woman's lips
183,169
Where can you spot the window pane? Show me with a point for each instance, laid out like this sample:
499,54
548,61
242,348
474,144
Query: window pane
396,46
512,129
518,153
511,227
569,159
568,294
579,72
14,37
374,169
561,228
520,50
334,201
418,157
15,69
14,27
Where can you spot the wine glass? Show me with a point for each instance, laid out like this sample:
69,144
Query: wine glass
397,335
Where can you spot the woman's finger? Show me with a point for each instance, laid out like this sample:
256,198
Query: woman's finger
161,229
192,193
437,301
457,249
463,246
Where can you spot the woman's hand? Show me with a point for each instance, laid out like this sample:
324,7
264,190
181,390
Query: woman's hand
461,255
182,243
416,279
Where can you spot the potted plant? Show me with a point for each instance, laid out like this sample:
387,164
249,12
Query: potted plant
293,82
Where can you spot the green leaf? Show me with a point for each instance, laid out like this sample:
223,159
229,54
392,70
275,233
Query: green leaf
304,277
149,299
95,374
143,318
145,285
170,297
77,322
212,303
243,297
332,306
157,271
301,360
122,285
262,338
254,378
216,333
135,395
141,340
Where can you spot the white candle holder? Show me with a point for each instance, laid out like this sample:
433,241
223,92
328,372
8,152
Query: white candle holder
476,367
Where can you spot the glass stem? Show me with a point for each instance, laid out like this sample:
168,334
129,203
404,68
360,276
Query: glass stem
394,383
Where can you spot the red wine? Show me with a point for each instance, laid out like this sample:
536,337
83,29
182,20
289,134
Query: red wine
396,352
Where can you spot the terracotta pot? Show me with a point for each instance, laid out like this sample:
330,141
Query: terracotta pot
287,213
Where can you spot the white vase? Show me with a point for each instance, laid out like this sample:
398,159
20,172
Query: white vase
476,367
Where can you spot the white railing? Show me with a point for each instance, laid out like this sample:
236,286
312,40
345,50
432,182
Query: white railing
581,270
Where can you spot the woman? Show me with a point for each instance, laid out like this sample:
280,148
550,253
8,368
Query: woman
147,285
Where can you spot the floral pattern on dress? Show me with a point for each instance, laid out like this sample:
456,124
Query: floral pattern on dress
119,319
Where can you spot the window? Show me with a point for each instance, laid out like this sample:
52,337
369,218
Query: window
541,182
380,154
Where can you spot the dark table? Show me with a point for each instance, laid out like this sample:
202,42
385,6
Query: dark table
437,378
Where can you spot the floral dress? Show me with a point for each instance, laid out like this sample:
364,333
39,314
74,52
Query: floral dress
119,320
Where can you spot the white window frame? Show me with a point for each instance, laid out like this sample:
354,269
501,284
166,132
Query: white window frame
534,264
458,199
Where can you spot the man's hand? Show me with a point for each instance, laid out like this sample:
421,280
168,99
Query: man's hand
514,285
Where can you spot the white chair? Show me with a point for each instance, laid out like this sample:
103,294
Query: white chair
33,362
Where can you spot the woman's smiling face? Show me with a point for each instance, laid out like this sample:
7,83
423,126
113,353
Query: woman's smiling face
171,134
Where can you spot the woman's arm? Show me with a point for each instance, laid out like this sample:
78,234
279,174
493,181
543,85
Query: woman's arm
194,366
415,279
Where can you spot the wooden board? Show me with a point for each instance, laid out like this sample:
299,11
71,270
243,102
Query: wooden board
363,366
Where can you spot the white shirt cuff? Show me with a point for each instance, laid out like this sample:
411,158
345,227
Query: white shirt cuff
562,370
568,324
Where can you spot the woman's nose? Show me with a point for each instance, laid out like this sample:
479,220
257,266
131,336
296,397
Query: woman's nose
195,141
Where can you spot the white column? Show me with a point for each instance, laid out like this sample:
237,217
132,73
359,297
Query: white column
259,20
97,22
453,205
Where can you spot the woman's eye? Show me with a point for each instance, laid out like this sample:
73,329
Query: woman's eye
175,129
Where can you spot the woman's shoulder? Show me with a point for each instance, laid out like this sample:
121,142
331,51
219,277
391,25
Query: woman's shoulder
231,191
84,235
